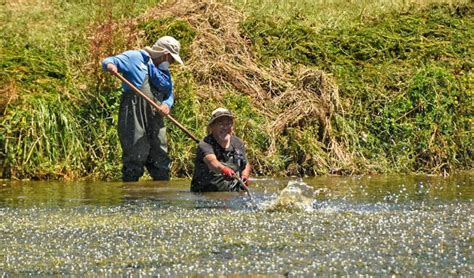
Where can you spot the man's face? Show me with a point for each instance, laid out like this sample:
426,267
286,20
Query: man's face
222,128
166,57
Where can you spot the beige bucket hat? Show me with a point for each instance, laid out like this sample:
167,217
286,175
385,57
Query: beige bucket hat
218,113
163,45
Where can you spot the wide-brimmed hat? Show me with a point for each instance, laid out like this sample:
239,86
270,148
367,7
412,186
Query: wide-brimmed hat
163,45
219,113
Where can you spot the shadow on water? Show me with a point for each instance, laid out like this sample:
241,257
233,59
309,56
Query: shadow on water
313,193
73,194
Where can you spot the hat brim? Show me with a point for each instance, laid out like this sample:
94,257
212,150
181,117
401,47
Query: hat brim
153,53
220,116
156,54
177,58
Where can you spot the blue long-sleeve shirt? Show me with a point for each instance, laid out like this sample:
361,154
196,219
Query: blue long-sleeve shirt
134,65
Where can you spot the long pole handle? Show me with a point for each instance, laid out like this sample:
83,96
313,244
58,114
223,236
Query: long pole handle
156,106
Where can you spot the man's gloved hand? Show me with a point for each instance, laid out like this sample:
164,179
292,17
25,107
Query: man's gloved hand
246,180
228,173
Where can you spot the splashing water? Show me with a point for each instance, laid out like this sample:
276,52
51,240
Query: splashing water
296,196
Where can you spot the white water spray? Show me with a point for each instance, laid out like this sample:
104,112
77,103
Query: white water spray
296,196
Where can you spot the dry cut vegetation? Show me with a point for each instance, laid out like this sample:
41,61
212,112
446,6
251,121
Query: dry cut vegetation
223,60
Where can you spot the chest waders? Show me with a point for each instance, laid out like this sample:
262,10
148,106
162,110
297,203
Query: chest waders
142,136
228,185
234,160
205,180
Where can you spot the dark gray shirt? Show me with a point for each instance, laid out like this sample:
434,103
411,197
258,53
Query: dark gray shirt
234,157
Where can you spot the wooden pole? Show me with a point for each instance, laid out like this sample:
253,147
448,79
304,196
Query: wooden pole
156,106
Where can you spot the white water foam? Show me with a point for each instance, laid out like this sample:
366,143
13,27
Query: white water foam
296,196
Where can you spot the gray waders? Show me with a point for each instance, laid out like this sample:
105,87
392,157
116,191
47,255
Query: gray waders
142,136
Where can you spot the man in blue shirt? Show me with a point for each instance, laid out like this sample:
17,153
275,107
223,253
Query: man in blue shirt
141,128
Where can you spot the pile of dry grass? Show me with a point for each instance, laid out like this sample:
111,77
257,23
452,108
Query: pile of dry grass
222,60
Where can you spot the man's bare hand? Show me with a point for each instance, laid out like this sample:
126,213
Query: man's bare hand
164,109
112,68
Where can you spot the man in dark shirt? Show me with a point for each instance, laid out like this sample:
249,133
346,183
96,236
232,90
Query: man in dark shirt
220,156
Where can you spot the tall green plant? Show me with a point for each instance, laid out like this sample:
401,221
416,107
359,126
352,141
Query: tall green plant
43,140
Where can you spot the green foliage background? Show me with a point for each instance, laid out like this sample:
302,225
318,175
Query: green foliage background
404,75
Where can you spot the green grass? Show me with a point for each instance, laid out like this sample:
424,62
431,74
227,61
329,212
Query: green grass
404,73
55,125
403,80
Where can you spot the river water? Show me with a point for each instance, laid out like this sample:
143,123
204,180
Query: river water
371,225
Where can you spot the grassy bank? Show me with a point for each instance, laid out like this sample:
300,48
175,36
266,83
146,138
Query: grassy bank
405,82
318,88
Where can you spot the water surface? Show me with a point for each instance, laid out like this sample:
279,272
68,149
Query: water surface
407,225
